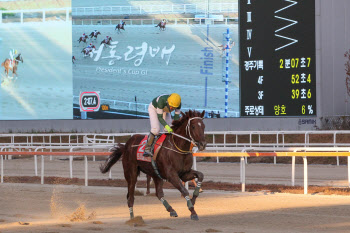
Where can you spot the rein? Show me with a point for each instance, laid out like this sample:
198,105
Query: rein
188,131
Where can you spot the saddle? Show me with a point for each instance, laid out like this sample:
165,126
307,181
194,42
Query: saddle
158,142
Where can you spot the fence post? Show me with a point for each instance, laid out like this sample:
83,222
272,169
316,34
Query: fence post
349,170
305,175
36,165
42,169
86,171
2,169
243,174
71,166
293,170
22,17
44,15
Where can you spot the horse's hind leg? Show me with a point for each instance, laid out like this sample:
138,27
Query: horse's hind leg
160,194
174,179
148,186
190,176
131,177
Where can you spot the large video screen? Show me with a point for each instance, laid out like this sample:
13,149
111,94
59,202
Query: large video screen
84,59
35,53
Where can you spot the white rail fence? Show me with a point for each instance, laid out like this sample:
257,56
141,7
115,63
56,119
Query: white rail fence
157,9
35,15
304,152
335,142
153,22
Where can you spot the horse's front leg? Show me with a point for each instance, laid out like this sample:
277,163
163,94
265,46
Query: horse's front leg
175,180
190,176
158,183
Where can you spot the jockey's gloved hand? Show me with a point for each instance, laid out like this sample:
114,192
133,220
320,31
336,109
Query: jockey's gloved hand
169,129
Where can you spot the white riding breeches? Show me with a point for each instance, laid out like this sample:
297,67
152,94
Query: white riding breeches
153,117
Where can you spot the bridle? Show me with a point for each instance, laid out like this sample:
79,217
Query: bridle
188,132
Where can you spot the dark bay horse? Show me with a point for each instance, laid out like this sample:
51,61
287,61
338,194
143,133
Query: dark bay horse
161,26
120,26
83,39
7,65
174,161
108,42
93,34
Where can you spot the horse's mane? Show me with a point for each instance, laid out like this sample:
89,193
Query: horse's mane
185,116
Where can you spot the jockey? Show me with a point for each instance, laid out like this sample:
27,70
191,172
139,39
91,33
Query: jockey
163,22
73,59
83,36
88,49
107,38
160,112
13,53
95,32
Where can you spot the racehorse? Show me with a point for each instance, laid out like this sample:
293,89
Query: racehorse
108,42
6,64
120,26
87,51
161,26
174,161
93,34
83,39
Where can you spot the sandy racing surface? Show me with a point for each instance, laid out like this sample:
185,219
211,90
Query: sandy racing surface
68,208
50,208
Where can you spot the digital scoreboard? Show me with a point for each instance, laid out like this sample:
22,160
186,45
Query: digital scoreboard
277,58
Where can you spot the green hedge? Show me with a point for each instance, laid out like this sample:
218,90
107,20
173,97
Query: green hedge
6,14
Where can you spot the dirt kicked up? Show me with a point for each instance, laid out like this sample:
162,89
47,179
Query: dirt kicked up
27,208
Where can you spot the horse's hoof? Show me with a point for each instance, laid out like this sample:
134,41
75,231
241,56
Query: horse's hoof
173,214
194,217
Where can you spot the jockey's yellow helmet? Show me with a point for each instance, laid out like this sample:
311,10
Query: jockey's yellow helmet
174,100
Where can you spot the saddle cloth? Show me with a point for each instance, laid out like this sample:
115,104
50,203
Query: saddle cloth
141,148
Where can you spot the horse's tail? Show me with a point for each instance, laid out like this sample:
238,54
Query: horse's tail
113,158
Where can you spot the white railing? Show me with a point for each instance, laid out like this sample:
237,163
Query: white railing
83,143
157,9
227,138
153,22
20,16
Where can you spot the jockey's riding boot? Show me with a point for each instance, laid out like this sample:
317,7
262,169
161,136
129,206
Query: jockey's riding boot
148,148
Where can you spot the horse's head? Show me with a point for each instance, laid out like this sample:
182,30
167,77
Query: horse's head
193,126
19,58
98,33
110,38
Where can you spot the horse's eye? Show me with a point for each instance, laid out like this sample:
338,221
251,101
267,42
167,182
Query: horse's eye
193,127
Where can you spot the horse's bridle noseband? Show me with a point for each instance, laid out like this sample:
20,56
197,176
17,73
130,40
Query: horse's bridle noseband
189,129
188,132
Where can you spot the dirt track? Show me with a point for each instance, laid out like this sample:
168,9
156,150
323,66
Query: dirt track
220,211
